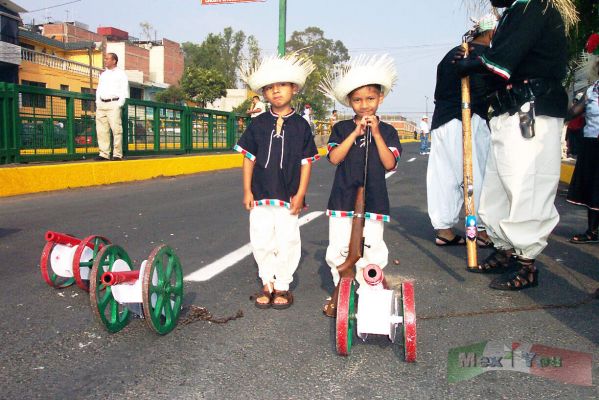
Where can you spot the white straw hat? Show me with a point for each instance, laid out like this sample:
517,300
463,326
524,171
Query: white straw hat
293,68
360,71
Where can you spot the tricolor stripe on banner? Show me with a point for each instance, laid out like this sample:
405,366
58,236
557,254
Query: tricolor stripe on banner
246,153
566,366
213,2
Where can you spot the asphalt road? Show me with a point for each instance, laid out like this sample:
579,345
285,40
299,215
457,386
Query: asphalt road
52,347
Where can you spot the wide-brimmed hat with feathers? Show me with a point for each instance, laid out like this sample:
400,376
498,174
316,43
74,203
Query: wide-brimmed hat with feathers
566,8
293,67
359,71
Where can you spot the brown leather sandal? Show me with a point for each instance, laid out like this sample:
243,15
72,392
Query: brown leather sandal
265,293
282,294
498,262
330,309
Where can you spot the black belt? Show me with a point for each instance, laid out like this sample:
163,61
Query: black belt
510,98
109,100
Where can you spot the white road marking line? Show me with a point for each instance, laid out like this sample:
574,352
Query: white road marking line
211,270
411,159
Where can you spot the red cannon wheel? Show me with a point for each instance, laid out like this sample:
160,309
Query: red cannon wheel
113,315
49,276
409,320
98,242
346,318
162,289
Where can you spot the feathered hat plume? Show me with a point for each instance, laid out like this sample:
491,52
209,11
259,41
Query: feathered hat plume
293,67
359,71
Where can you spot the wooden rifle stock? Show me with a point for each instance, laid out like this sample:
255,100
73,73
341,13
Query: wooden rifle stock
356,239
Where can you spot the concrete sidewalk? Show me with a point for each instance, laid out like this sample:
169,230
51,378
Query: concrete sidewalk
25,179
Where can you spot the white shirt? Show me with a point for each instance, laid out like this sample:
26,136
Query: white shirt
113,83
591,114
259,105
424,127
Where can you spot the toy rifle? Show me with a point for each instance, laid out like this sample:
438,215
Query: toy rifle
356,240
468,185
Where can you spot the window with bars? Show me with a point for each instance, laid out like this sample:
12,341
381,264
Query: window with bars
88,105
34,100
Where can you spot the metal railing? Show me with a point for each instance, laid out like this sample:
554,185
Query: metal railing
63,64
38,124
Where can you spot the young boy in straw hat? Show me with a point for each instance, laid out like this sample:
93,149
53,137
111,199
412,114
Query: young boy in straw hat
361,85
278,149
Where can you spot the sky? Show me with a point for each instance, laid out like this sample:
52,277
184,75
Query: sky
416,33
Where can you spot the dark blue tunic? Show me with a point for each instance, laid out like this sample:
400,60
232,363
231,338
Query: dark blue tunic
278,158
350,172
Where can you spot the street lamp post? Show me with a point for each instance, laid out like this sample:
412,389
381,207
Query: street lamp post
282,26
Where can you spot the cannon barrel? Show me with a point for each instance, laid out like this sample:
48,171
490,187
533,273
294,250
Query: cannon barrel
114,278
373,275
62,238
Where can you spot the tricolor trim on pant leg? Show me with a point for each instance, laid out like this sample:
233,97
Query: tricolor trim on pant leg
246,153
272,202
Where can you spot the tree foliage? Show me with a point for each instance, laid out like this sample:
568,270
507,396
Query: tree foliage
203,85
173,94
588,11
325,53
223,53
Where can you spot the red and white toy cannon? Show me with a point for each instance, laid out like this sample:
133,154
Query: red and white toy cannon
67,259
154,292
379,312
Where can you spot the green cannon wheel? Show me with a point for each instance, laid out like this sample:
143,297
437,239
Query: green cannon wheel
162,289
113,315
95,243
346,318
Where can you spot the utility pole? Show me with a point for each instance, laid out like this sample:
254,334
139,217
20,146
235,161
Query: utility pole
282,26
426,105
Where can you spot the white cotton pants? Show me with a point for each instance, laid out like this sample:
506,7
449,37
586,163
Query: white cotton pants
445,172
521,178
276,244
108,117
375,251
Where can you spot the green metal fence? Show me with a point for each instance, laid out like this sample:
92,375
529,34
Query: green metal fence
38,124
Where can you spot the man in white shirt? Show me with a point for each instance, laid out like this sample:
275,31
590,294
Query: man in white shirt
113,90
257,108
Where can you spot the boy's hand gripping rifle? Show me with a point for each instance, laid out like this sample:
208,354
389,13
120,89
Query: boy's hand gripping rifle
468,185
356,240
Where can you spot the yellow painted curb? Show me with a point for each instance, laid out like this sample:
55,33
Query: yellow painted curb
43,178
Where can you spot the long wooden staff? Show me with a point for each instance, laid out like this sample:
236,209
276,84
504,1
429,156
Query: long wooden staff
471,229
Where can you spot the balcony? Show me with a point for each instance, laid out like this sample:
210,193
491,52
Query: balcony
58,63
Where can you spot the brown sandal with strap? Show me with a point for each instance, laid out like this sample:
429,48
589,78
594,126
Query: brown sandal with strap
265,293
330,309
498,262
282,294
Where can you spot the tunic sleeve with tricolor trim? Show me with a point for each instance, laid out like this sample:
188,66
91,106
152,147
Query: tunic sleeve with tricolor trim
518,31
246,144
